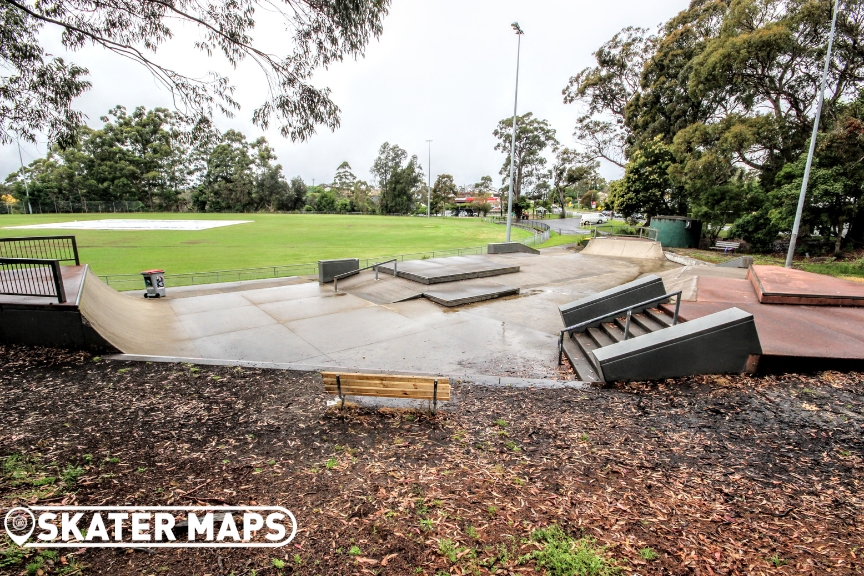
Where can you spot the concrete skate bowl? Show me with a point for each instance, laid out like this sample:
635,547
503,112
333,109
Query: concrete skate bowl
625,248
132,324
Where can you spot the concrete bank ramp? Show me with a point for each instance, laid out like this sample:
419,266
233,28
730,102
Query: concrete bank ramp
133,324
625,248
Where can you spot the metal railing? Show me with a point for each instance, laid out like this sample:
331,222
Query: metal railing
621,230
60,248
123,282
32,277
582,326
353,272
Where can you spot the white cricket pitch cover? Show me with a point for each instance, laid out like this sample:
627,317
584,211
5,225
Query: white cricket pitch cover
134,224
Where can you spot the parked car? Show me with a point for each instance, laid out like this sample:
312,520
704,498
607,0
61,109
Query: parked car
593,218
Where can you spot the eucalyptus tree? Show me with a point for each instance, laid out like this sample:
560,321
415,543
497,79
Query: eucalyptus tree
533,137
37,89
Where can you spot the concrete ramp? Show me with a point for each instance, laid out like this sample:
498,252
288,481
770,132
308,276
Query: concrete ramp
625,248
133,325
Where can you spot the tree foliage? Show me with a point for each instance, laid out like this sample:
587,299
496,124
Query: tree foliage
443,192
37,91
398,180
721,114
533,136
147,157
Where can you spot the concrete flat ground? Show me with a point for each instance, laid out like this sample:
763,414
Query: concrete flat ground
365,326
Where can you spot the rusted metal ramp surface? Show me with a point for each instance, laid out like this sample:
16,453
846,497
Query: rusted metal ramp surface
777,285
793,336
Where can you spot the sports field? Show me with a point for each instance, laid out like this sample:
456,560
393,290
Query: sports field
270,239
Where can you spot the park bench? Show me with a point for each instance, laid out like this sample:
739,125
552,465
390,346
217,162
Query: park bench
388,386
726,246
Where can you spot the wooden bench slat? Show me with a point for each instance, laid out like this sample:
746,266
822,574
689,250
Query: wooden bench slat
350,376
387,386
386,383
443,395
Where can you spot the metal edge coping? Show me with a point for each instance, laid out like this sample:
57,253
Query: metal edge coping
482,379
81,287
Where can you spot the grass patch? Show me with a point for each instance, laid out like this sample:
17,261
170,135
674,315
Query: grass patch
562,555
270,239
556,239
648,553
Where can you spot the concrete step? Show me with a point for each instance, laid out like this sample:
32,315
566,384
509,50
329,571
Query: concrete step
588,346
659,316
635,329
581,365
614,332
600,337
647,323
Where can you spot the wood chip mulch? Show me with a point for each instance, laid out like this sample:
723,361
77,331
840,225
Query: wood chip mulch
717,475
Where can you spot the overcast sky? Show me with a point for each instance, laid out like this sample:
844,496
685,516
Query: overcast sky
443,70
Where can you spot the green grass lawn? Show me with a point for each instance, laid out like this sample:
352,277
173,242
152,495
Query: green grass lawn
271,239
556,239
853,270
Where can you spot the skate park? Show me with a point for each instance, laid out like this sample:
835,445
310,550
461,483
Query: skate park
619,309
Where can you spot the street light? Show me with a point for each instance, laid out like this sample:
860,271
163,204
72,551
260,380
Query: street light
794,238
519,34
429,185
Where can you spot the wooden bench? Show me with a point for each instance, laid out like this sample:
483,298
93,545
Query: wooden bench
388,386
726,246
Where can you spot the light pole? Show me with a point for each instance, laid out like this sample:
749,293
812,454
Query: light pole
519,34
429,183
794,238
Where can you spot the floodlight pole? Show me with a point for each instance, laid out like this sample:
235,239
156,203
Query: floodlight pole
429,185
793,239
519,34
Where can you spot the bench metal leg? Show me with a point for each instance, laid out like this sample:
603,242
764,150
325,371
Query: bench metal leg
339,389
435,397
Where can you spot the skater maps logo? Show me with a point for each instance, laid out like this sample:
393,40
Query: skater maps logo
150,526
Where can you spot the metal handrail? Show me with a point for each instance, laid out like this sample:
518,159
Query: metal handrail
353,272
616,314
60,248
610,230
20,277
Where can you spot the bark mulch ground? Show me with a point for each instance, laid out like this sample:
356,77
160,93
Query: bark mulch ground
708,475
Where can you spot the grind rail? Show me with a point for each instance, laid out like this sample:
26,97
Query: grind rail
582,326
374,266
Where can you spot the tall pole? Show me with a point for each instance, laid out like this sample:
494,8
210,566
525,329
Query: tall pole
26,186
519,34
429,185
793,240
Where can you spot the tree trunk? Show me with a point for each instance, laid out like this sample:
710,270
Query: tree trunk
839,242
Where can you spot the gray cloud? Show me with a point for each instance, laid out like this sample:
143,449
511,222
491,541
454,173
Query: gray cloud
442,70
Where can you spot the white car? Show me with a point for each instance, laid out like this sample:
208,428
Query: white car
592,218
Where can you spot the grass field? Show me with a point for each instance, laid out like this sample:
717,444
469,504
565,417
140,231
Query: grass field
850,270
556,239
271,239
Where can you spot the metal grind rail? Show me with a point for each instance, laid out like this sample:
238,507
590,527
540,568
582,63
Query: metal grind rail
60,248
374,266
32,277
582,326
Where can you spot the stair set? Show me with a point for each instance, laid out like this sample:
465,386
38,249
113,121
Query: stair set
624,334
